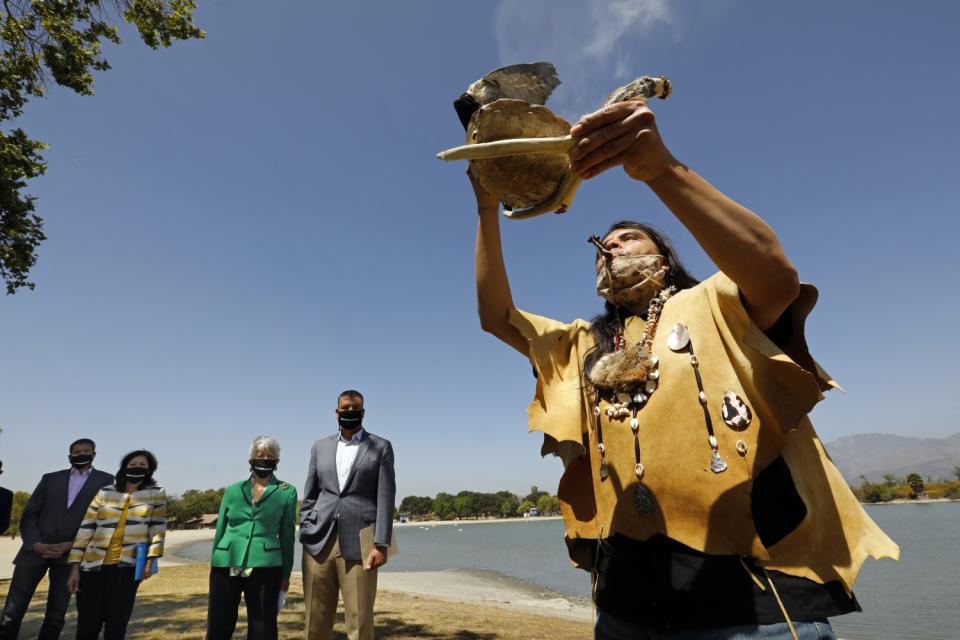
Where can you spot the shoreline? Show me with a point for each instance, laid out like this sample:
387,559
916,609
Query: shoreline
175,605
461,586
442,523
909,501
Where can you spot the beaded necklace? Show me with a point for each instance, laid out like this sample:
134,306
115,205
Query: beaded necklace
626,400
679,341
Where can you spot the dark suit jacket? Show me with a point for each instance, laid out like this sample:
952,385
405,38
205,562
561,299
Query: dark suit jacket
46,517
367,497
6,506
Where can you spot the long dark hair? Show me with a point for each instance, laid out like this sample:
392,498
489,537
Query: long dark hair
604,326
120,479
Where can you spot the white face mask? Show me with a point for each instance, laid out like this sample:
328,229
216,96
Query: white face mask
631,280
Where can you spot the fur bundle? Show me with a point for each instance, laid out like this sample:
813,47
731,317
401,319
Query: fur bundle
622,370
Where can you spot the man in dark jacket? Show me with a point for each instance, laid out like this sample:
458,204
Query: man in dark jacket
48,526
6,506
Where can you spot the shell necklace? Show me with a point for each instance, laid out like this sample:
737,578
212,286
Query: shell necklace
629,396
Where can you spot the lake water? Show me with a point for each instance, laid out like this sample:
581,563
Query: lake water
915,599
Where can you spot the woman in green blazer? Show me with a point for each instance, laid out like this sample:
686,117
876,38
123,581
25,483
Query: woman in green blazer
253,548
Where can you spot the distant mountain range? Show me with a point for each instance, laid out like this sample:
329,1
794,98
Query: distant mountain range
874,454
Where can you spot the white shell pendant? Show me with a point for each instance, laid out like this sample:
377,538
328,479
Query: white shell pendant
604,470
735,411
717,464
741,447
679,337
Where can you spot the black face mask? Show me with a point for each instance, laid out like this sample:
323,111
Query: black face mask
350,418
80,461
136,475
263,467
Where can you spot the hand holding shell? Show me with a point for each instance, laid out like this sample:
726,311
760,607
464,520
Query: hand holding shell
519,150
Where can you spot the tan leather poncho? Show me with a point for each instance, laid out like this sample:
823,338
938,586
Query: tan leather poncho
709,512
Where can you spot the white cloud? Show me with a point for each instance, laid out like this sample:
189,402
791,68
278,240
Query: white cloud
594,45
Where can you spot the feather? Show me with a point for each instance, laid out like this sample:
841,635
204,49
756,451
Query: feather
642,87
531,82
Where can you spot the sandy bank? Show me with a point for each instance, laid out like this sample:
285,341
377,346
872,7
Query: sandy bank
909,501
174,605
484,588
449,586
431,523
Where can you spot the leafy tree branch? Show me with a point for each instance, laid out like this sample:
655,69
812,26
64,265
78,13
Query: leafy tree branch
59,41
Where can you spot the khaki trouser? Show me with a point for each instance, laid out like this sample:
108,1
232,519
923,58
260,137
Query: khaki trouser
326,574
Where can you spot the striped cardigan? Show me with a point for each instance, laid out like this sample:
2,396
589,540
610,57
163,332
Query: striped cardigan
146,522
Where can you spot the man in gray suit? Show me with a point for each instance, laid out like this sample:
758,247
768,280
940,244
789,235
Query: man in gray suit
350,486
48,526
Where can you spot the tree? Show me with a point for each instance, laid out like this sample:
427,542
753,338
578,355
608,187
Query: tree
509,506
487,504
956,472
443,506
194,503
916,485
524,507
548,504
465,504
535,494
464,507
58,40
20,499
416,506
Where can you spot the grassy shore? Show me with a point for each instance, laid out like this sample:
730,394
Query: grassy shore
174,605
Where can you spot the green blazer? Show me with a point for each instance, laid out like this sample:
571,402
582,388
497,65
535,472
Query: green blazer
260,534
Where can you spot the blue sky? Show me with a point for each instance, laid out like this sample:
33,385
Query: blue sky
242,227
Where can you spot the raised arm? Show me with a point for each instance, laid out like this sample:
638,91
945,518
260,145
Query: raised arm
494,300
738,241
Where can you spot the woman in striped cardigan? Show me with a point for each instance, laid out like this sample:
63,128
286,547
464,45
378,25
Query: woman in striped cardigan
129,513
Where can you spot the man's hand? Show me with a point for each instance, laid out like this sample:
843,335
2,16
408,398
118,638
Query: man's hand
377,557
50,551
624,133
147,569
285,585
62,547
73,582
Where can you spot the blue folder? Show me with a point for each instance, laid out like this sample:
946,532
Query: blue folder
142,550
